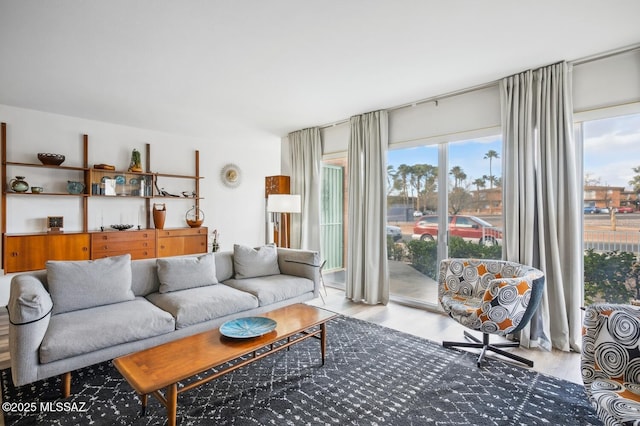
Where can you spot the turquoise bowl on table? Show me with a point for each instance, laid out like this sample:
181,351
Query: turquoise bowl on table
244,328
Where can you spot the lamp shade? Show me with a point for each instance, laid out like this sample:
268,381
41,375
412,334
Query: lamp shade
283,203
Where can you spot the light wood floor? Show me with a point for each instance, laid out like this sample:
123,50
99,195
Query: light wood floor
438,327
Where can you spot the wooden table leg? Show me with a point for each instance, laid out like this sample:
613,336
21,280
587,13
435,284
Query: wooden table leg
172,403
143,399
66,384
323,339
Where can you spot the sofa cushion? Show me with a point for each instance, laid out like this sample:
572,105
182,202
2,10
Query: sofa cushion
196,305
89,283
274,288
181,273
87,330
249,262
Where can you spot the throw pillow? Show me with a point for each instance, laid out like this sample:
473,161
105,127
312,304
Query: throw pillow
75,285
181,273
249,262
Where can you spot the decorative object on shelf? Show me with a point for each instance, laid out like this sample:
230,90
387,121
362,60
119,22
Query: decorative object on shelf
75,187
244,328
120,180
159,215
19,184
136,163
194,217
230,175
278,205
55,224
122,227
49,159
36,189
188,194
104,167
109,187
215,246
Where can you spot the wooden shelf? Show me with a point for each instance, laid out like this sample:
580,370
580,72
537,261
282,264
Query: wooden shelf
46,166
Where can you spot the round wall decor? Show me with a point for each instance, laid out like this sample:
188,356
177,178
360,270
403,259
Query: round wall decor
230,175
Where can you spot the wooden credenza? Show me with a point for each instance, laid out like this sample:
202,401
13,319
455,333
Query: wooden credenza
29,252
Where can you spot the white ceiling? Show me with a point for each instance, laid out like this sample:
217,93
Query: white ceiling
216,68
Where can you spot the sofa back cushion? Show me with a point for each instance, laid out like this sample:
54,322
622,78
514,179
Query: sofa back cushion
224,265
181,273
75,285
250,263
144,277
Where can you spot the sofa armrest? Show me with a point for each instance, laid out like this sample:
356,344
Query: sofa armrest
29,313
300,263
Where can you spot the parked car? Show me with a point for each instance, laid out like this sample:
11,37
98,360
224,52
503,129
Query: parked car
394,232
417,213
591,210
470,228
605,210
624,209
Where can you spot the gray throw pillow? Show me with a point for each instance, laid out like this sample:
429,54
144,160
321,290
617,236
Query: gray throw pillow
181,273
249,262
75,285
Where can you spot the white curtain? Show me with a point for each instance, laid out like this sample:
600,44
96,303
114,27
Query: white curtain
367,273
305,148
541,198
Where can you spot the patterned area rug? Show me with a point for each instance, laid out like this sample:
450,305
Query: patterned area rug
373,376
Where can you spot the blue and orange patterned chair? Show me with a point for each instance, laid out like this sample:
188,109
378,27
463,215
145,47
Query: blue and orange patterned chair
610,363
489,296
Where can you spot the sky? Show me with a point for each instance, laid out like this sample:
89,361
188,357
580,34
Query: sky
611,150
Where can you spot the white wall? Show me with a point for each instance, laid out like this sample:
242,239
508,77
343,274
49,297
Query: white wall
237,213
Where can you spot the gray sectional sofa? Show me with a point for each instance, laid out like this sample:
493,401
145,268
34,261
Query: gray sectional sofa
76,314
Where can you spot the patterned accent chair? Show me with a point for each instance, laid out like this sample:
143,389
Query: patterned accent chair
611,362
490,296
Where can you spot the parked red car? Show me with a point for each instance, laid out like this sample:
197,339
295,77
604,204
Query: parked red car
470,228
625,209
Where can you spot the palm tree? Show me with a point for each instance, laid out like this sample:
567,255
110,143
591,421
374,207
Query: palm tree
479,183
635,182
491,154
458,175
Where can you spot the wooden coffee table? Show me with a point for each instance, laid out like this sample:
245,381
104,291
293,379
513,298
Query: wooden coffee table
162,367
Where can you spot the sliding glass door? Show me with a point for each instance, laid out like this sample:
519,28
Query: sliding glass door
455,187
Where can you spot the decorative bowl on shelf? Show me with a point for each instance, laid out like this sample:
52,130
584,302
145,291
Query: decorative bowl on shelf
122,227
74,187
49,159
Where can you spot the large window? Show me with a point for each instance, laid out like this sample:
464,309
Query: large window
471,178
611,218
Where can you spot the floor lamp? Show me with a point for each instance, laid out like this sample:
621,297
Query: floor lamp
279,205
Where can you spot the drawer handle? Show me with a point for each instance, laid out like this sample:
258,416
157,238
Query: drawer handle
145,244
105,247
85,248
104,237
15,254
145,235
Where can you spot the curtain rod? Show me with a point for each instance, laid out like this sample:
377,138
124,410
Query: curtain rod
581,61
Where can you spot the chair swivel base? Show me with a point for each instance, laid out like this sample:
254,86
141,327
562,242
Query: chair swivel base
486,346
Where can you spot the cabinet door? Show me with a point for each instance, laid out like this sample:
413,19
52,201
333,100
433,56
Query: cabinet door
68,247
25,253
176,242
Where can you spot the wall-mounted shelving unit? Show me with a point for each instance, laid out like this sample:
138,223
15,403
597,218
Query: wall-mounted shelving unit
24,252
